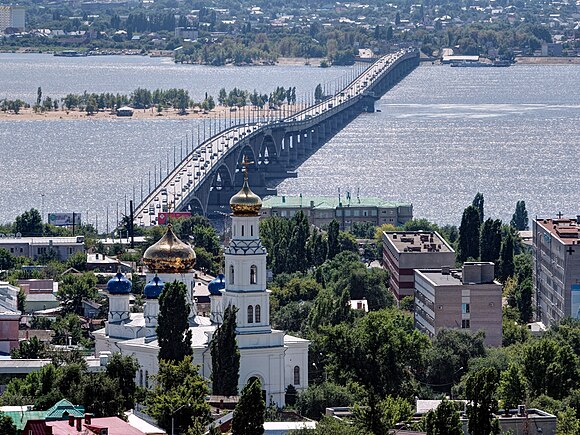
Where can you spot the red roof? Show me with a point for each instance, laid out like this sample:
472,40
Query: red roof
115,425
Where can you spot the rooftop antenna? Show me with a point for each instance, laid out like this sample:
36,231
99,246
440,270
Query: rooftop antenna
339,196
358,194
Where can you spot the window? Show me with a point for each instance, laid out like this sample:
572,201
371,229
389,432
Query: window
296,375
258,314
231,274
465,308
253,275
251,230
12,250
242,231
250,314
465,324
146,378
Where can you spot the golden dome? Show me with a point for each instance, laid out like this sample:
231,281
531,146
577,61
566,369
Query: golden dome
169,255
246,202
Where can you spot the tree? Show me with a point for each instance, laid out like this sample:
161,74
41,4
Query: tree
444,420
480,391
225,356
101,395
291,395
74,288
249,412
7,426
567,423
333,246
29,223
21,301
32,348
7,260
123,369
490,242
469,234
38,96
313,402
478,204
506,264
179,393
298,258
318,93
520,217
512,387
379,417
173,331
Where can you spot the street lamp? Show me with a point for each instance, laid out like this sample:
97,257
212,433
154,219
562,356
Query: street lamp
173,417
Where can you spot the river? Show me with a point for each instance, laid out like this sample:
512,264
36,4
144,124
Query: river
441,135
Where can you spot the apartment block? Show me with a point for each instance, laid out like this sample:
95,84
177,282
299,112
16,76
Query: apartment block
468,299
405,251
556,248
35,247
12,17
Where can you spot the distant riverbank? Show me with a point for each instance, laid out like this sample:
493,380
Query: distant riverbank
151,114
529,60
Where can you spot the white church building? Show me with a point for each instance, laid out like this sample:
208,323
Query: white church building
276,358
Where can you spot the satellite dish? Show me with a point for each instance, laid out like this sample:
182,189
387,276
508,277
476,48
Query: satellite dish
18,235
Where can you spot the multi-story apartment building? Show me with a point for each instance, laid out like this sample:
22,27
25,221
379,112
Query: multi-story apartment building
321,210
556,247
12,17
405,251
35,247
467,299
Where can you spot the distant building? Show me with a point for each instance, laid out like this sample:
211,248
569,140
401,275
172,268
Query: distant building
9,317
12,17
186,32
404,251
35,247
40,294
60,411
467,299
556,272
82,426
321,210
551,49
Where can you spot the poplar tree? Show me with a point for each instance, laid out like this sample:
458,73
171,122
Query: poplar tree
469,234
478,204
490,242
443,420
297,254
249,413
225,356
173,333
520,217
332,240
480,389
507,267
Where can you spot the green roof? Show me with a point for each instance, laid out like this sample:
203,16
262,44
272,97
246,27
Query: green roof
328,202
60,411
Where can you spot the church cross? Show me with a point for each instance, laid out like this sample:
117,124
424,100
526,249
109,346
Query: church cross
570,251
245,164
170,204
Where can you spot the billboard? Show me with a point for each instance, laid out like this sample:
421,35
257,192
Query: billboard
162,217
575,314
64,219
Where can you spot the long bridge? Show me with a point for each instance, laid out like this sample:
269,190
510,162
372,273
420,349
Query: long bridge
211,173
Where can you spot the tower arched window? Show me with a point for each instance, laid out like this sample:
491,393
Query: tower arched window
242,231
250,314
258,314
231,274
296,375
252,230
253,274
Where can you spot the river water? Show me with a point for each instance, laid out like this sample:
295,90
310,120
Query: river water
441,135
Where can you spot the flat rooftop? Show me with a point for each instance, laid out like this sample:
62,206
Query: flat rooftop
565,230
439,279
328,202
43,240
418,241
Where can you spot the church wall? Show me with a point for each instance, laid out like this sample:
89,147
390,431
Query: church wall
296,356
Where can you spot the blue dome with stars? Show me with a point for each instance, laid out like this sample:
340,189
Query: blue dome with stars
119,285
153,288
217,284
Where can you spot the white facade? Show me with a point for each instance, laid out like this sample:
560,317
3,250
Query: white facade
277,359
12,17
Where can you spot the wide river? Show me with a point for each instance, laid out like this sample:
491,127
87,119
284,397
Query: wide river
441,135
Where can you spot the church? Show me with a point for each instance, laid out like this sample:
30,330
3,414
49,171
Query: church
274,357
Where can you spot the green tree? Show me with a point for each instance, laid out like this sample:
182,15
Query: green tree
249,412
21,301
29,223
444,420
7,426
7,260
67,329
300,231
520,217
469,234
74,288
123,369
512,387
506,264
78,261
379,417
568,423
32,348
333,246
478,204
480,389
173,331
225,356
490,242
38,96
180,393
313,401
101,395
